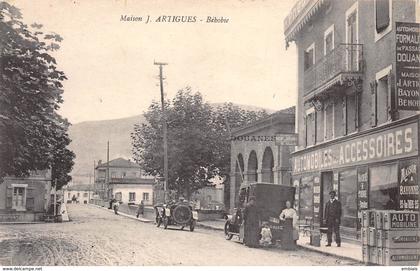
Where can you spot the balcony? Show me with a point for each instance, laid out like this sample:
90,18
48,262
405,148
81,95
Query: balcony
340,66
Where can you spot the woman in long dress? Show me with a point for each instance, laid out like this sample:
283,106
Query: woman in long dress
290,213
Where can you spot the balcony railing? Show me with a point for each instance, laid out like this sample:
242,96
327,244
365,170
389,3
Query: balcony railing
346,60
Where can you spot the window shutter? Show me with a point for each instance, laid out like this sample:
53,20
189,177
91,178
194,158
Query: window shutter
373,90
30,198
391,90
382,15
344,122
9,197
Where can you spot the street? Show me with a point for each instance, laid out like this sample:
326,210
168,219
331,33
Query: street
98,237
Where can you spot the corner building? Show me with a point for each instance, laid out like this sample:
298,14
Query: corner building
352,137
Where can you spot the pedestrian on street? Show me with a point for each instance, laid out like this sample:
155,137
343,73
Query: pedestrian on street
251,224
116,206
332,217
140,210
290,213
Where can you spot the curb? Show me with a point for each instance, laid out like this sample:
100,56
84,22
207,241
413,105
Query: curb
331,254
204,226
123,214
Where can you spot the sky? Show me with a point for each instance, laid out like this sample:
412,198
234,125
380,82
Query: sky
109,62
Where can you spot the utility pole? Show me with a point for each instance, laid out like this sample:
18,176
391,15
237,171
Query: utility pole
165,133
107,172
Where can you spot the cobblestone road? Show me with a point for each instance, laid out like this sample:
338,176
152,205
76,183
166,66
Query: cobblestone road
98,237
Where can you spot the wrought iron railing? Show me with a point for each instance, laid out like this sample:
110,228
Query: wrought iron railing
346,58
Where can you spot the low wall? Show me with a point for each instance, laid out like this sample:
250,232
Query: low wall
204,215
21,217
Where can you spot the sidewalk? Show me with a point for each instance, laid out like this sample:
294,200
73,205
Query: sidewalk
347,250
145,220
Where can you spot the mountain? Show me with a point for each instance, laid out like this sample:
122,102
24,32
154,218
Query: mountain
89,142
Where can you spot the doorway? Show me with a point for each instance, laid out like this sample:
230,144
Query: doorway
326,188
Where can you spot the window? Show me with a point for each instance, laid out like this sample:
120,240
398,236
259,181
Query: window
348,198
309,57
382,15
310,126
306,198
329,40
383,187
78,194
146,196
132,196
329,120
381,96
113,174
124,174
69,195
85,195
19,198
351,113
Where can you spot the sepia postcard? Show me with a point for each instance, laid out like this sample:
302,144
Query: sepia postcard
187,134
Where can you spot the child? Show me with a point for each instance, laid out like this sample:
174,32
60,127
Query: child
265,235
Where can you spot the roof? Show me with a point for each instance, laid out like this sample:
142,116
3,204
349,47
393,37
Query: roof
119,163
79,187
131,181
283,116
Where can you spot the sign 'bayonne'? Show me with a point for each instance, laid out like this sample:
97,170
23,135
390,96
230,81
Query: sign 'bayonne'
393,143
407,66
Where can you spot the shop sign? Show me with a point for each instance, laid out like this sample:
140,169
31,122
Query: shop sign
362,192
406,239
408,185
394,143
408,66
317,197
406,257
404,220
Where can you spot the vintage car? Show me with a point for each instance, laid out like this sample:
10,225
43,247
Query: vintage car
270,200
179,213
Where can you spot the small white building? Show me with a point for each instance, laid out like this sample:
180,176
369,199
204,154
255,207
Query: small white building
80,193
133,191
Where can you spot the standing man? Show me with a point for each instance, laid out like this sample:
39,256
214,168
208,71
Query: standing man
251,224
140,209
332,217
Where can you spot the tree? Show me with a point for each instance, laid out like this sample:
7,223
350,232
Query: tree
33,136
189,143
198,140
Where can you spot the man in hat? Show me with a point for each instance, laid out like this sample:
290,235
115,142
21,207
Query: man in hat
251,224
332,217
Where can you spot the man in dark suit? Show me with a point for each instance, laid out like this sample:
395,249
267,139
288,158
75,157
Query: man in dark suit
332,217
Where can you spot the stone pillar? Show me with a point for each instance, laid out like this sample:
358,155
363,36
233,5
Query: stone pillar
259,176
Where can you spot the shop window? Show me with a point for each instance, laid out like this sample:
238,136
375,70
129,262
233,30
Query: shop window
348,198
383,193
132,196
306,198
309,57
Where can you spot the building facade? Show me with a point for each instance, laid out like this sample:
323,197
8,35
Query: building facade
255,156
25,199
123,180
81,192
352,137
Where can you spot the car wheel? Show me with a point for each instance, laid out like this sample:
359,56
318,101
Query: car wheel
165,222
228,235
192,225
